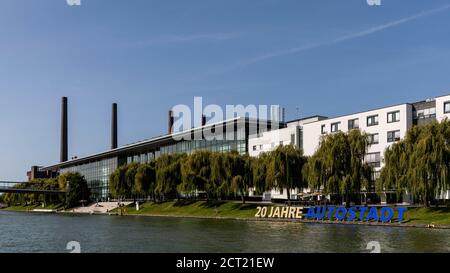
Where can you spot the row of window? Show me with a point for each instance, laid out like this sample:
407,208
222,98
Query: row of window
392,136
425,113
354,123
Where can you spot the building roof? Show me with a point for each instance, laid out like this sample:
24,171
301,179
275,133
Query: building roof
144,143
306,118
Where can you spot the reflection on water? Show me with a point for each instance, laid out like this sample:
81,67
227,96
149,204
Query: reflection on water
24,232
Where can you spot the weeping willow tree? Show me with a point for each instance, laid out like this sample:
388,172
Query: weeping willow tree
394,173
419,164
168,174
196,173
240,174
259,172
145,179
338,165
118,186
284,169
220,174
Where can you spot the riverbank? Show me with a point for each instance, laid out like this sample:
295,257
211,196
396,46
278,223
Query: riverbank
30,208
194,209
413,217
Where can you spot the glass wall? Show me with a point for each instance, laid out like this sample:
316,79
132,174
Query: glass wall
189,146
97,175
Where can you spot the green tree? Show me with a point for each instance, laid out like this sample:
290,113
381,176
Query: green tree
196,172
130,179
419,164
77,188
259,172
285,169
168,174
220,175
240,174
338,165
118,186
145,179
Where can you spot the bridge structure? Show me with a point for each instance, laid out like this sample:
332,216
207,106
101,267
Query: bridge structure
11,187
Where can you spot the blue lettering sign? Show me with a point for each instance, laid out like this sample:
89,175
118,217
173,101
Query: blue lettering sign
383,216
350,214
400,214
373,214
340,213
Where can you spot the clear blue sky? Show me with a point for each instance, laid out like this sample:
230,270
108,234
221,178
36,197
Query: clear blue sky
325,57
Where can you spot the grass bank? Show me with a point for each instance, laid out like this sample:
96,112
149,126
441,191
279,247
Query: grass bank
195,209
413,216
237,210
437,216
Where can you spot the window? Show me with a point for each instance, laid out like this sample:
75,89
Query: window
431,112
373,159
353,124
335,127
322,129
393,116
261,147
292,139
373,139
254,148
425,113
372,120
393,136
447,107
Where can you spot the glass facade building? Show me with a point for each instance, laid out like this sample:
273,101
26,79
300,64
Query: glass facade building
98,168
97,175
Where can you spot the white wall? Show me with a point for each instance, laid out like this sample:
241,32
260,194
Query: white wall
440,115
268,141
312,131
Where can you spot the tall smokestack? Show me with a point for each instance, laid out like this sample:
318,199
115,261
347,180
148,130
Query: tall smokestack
64,143
203,120
170,122
114,126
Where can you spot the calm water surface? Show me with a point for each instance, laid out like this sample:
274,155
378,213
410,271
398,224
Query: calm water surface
25,232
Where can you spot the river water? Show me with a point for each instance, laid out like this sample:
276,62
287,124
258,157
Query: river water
29,232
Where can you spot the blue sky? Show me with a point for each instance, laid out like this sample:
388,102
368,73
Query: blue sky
323,57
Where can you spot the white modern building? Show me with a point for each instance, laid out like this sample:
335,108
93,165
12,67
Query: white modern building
291,134
383,125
